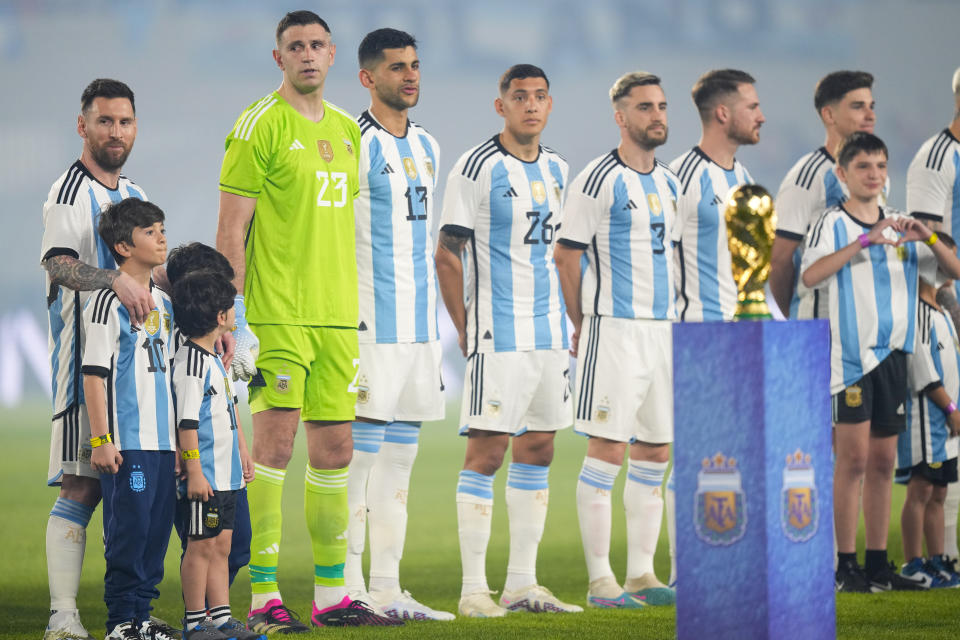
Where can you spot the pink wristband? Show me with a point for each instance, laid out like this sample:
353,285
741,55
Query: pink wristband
864,241
950,408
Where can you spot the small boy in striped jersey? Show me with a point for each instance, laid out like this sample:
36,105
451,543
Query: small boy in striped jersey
215,459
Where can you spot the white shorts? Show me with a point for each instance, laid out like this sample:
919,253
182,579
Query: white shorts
625,380
400,382
70,446
517,391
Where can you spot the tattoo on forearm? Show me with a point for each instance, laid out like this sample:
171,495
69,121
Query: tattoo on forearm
79,276
947,300
453,244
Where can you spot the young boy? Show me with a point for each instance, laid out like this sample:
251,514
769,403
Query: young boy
184,260
126,383
927,451
863,258
211,445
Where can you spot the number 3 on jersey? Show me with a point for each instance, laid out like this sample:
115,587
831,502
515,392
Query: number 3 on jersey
339,185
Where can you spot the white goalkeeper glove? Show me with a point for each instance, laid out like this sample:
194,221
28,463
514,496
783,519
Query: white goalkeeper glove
244,362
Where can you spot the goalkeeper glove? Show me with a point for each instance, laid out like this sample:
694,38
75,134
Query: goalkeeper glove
247,347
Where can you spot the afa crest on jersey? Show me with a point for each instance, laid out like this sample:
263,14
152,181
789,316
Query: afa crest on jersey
428,165
720,505
799,508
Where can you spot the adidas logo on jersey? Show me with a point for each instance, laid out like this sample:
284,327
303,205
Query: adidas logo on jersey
387,169
630,205
210,392
510,193
296,145
717,200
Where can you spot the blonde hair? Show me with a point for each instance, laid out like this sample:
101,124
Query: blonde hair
628,81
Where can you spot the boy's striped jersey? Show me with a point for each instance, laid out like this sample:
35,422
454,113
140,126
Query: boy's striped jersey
135,364
510,211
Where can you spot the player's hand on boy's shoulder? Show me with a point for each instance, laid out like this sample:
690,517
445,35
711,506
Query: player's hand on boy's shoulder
197,486
106,458
137,300
226,346
244,364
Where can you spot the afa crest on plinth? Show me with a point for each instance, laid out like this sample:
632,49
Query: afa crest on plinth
799,508
720,505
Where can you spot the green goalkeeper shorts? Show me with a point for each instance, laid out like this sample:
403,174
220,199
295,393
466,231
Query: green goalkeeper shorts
313,369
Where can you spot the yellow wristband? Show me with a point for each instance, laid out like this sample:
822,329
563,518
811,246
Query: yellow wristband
190,454
931,240
100,440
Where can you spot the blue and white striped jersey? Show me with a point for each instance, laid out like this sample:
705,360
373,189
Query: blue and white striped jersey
624,220
934,363
704,275
809,188
872,300
510,209
933,184
394,219
136,365
71,214
206,403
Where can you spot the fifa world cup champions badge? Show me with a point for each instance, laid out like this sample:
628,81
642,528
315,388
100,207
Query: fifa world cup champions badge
720,505
799,508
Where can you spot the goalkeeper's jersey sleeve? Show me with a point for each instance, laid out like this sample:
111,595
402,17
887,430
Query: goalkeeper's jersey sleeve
300,247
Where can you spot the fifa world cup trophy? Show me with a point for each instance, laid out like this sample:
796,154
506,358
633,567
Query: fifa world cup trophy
751,221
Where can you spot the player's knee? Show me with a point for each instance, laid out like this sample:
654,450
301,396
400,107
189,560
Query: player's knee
81,489
646,452
938,495
851,464
881,463
275,451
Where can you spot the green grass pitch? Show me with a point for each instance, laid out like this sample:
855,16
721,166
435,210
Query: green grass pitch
431,564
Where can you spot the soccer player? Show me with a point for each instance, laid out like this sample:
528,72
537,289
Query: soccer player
844,102
183,261
500,208
214,456
287,186
927,450
399,383
77,261
870,282
126,383
620,211
730,116
933,195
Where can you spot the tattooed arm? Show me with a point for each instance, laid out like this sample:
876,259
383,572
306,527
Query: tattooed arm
68,271
450,276
948,301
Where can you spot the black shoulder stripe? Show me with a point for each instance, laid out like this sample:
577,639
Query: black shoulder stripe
592,186
935,150
101,308
943,152
553,151
685,165
474,160
601,178
71,185
807,169
816,170
478,164
365,123
690,173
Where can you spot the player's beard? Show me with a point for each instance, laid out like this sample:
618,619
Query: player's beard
103,157
396,100
744,136
648,142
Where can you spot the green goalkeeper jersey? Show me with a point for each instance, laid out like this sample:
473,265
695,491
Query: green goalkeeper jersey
300,255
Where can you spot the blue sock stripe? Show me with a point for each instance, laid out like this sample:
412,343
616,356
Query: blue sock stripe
597,479
527,476
670,485
402,433
646,473
475,484
367,437
71,510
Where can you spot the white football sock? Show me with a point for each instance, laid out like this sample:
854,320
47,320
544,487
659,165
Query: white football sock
950,508
644,508
66,542
528,494
474,514
367,440
387,502
593,511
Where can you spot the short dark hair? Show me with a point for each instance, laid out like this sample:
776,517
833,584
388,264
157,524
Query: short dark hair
858,142
299,19
371,48
833,86
196,256
118,221
625,83
947,240
715,85
519,72
105,88
198,298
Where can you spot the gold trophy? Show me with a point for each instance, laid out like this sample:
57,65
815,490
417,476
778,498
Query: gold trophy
751,222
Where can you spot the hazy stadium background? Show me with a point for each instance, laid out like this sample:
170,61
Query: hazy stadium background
195,64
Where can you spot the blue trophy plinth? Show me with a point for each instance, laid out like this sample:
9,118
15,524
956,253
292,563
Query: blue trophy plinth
753,477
